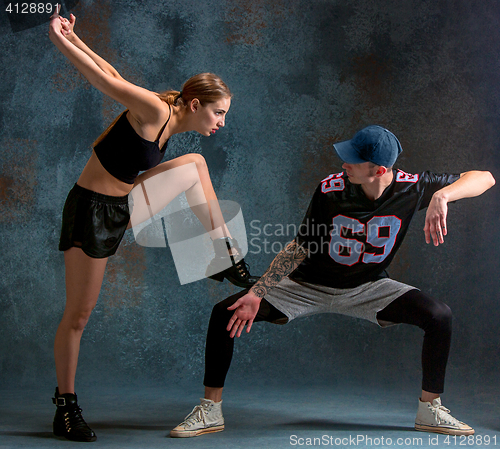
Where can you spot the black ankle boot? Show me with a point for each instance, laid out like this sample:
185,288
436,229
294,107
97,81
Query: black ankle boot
237,273
68,421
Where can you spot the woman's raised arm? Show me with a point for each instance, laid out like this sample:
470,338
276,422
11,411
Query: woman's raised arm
145,105
68,32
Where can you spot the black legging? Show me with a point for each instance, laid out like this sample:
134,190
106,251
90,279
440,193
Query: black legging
414,307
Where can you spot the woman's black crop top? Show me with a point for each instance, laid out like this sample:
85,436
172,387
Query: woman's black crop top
123,153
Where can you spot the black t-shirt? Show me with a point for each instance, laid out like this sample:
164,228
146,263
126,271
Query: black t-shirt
351,239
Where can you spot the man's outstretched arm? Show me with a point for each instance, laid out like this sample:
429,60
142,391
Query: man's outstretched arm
470,184
246,308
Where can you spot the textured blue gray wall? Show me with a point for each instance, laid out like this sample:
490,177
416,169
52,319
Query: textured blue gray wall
305,73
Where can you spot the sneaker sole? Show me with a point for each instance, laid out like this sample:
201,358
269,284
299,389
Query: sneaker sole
443,430
195,433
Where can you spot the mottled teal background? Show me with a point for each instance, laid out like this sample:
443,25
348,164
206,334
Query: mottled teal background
305,73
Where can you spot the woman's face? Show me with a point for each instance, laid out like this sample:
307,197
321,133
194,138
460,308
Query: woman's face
212,116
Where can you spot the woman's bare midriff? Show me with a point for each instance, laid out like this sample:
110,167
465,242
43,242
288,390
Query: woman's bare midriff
96,178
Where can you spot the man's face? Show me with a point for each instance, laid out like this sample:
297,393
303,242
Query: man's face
360,173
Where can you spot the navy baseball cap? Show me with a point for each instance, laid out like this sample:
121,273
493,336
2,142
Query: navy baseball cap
372,144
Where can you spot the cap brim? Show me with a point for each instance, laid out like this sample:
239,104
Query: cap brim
347,152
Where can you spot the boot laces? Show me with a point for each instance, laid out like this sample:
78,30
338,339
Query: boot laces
443,416
73,419
243,268
197,415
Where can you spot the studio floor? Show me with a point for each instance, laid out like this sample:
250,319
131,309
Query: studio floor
256,417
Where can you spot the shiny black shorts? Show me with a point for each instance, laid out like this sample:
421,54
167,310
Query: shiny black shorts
93,222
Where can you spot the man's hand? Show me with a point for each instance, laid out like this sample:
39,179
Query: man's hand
471,184
435,219
246,310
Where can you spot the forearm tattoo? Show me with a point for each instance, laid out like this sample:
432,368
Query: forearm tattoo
283,264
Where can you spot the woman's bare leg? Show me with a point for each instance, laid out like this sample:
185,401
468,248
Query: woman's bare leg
157,187
84,277
214,394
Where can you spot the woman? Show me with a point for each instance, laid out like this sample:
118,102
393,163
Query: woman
96,213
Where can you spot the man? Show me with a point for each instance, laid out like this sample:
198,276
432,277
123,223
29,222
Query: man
355,223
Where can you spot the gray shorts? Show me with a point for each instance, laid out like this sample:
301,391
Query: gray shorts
296,299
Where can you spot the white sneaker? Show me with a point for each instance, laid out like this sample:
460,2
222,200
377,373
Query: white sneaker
436,418
205,418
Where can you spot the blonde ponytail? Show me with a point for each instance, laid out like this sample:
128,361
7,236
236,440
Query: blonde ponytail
206,87
171,97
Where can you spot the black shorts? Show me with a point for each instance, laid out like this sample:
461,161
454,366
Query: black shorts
93,222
